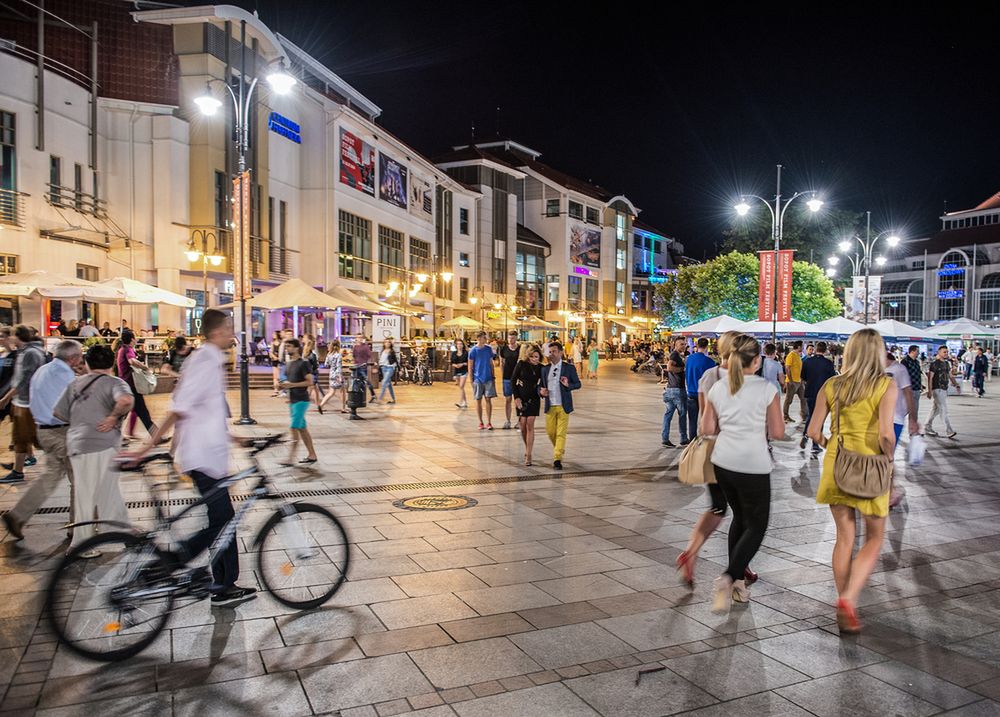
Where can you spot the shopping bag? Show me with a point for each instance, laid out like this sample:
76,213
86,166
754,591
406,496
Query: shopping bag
918,447
695,466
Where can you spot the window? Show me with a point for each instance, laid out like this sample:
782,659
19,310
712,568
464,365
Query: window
576,210
8,151
277,260
55,180
989,297
87,273
552,207
78,187
443,234
552,286
575,289
463,259
390,254
657,247
620,226
619,295
355,247
463,291
529,274
951,286
593,216
620,259
463,221
591,287
8,264
221,200
420,256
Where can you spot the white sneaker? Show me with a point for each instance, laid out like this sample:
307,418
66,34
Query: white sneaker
741,593
506,425
723,595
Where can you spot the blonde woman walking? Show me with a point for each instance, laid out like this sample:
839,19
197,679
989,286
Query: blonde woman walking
744,411
865,399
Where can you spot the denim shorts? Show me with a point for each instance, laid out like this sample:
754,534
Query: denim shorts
298,411
508,387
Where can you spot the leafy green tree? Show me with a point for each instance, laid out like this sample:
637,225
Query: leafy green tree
728,285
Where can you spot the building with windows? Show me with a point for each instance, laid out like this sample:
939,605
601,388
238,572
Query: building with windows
655,258
952,274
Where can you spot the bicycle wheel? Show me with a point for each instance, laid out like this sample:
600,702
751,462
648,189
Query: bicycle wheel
302,555
111,607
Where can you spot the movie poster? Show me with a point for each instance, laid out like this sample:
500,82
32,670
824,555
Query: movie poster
391,181
357,163
585,245
421,197
854,298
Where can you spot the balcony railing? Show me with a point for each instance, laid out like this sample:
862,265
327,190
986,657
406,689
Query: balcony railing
68,198
12,207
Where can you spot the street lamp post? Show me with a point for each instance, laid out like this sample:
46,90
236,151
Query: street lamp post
445,277
777,210
193,254
865,257
281,83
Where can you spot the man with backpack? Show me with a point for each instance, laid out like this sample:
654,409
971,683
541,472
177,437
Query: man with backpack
30,357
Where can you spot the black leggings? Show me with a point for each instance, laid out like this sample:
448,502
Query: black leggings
749,495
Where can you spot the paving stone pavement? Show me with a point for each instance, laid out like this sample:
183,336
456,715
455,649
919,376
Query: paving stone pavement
552,593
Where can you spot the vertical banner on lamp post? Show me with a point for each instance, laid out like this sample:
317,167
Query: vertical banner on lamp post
765,287
785,284
237,224
246,274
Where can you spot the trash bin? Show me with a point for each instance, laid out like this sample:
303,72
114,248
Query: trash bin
356,395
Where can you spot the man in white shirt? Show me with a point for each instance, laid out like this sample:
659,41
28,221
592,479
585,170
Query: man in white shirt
88,330
201,448
559,378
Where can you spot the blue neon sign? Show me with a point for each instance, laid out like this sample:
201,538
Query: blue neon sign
953,294
950,270
280,124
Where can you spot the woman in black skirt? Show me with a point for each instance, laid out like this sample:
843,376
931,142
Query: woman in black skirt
526,381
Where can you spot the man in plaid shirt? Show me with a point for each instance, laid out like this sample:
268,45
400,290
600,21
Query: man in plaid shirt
912,363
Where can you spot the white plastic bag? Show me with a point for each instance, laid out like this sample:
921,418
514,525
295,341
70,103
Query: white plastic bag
918,447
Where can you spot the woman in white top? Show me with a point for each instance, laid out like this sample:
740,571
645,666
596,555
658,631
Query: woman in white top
577,352
387,362
335,362
744,411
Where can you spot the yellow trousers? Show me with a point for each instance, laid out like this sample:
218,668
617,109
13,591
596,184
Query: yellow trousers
557,426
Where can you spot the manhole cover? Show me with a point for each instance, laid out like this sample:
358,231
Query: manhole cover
436,502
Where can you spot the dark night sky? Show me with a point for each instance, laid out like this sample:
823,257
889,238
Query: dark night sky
879,110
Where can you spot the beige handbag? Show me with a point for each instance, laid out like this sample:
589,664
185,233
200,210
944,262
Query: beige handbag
858,475
695,467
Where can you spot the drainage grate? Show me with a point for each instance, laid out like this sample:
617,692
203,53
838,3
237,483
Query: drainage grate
328,492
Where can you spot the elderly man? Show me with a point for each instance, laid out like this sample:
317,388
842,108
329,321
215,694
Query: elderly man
47,386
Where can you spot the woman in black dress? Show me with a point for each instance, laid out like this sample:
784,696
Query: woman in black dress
526,381
460,370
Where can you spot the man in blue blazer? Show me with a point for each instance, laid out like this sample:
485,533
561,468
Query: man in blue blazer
559,380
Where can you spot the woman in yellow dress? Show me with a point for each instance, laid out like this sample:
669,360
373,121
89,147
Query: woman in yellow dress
865,398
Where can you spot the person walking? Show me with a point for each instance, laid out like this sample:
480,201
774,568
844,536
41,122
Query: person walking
771,368
793,382
387,362
94,406
593,358
8,358
362,356
862,400
509,354
577,353
311,356
697,364
744,411
460,370
176,358
938,377
816,371
559,380
127,363
989,365
674,395
30,358
484,386
273,355
46,388
526,382
299,379
201,449
980,367
911,362
335,363
968,358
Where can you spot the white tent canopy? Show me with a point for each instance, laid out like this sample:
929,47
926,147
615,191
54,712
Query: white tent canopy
41,284
462,323
137,292
784,328
892,329
838,325
716,325
963,327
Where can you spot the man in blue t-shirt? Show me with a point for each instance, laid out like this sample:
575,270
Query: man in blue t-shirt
483,384
698,363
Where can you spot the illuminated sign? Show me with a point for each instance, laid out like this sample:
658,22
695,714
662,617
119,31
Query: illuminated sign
953,294
950,270
659,279
285,127
584,270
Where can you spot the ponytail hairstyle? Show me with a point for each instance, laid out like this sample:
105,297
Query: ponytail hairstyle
743,351
724,345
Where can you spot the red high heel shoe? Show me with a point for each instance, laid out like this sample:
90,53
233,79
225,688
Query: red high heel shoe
847,618
685,566
750,577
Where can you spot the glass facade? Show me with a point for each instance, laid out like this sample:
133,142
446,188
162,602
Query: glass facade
529,273
355,246
390,255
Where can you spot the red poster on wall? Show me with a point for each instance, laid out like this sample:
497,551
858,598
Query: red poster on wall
765,287
785,284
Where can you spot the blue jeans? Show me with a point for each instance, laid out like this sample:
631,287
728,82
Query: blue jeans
675,400
387,372
692,414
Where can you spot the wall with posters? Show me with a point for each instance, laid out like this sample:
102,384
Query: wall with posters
585,245
421,202
392,178
357,163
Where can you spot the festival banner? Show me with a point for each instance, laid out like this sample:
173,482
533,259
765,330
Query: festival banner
585,245
421,197
357,163
392,181
241,236
765,287
785,284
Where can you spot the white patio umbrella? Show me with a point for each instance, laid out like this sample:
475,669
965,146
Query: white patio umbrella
963,327
39,285
839,326
138,292
716,325
785,328
892,329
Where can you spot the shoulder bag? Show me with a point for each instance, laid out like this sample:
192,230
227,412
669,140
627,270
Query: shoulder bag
145,381
695,466
856,474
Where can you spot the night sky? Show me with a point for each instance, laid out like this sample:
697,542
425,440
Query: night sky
878,110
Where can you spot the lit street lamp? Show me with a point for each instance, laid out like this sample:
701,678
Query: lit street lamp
193,254
777,209
864,259
281,83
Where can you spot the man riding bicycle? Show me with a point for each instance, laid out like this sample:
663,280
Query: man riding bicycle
201,443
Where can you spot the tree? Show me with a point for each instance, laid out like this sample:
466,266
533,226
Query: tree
803,231
728,285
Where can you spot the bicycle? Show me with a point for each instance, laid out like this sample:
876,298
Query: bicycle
112,607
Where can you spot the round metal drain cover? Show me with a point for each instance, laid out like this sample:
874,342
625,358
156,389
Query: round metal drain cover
436,502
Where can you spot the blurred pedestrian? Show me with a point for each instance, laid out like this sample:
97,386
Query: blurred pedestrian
526,382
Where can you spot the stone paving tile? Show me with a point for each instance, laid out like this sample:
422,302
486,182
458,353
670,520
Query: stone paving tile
922,685
469,663
657,628
581,564
524,571
517,551
566,614
225,638
630,604
449,559
331,623
363,682
751,616
764,703
733,672
157,703
570,645
583,587
816,653
244,696
422,611
553,699
390,548
366,568
404,640
435,583
480,628
509,598
648,578
191,673
658,693
933,625
854,693
310,654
